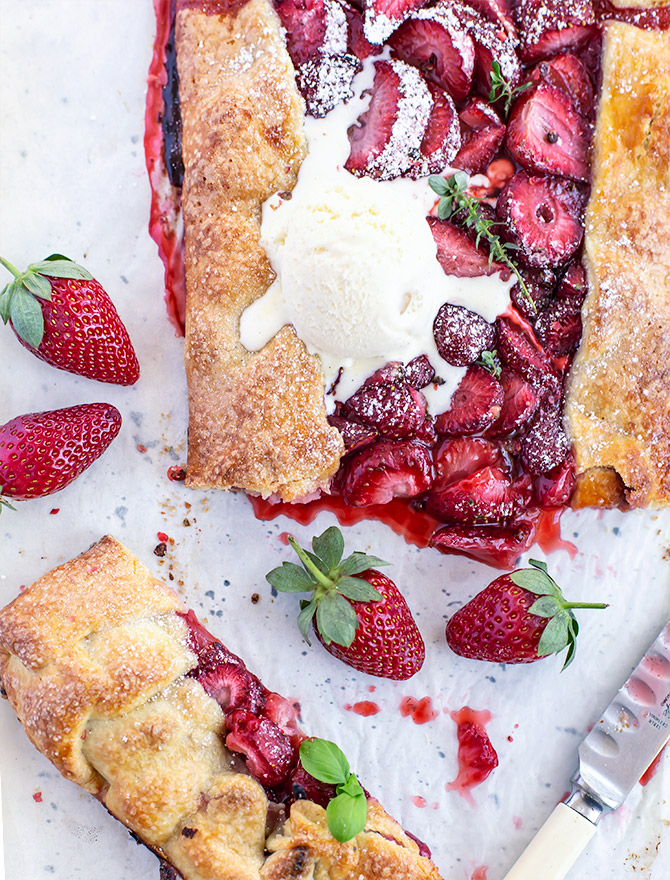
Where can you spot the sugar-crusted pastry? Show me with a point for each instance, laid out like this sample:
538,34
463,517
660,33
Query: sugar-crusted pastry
106,668
618,400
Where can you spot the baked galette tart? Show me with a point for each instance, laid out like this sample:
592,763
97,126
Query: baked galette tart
129,696
393,309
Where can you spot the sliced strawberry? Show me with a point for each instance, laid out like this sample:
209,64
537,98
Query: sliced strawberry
388,136
233,687
285,715
497,11
461,335
306,787
500,546
545,444
325,80
210,653
546,134
387,469
382,17
574,284
487,496
434,41
540,294
269,754
355,435
547,27
559,327
492,43
519,353
442,139
458,457
419,372
357,43
482,133
475,404
555,488
312,26
519,403
458,254
568,73
394,409
544,218
427,433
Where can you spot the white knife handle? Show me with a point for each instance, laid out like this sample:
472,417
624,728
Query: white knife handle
555,848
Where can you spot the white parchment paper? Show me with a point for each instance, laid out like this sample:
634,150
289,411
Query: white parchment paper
73,180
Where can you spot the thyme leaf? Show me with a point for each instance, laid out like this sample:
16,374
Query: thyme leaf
502,88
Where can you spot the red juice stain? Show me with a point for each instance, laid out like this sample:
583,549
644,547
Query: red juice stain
54,511
476,756
141,447
418,801
650,772
283,537
372,688
480,873
37,797
421,711
510,739
176,473
517,821
364,708
162,537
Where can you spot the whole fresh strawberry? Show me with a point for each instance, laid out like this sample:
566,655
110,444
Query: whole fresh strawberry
40,453
60,313
359,615
519,618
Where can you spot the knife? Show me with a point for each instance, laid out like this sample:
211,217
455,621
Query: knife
612,757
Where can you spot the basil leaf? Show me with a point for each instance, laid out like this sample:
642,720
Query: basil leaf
346,816
325,761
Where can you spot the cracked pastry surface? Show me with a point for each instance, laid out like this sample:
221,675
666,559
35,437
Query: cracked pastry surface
618,401
93,659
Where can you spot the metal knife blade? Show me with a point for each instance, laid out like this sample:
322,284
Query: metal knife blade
631,732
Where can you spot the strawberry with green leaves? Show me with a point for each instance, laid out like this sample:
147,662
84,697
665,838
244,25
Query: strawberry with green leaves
347,811
64,316
358,614
41,453
519,618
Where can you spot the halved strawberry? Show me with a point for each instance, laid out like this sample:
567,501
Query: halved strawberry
427,433
482,133
545,133
382,17
311,26
545,445
559,327
434,41
458,254
325,80
355,435
306,787
461,335
475,404
419,372
458,457
394,409
520,353
487,496
519,403
544,218
387,469
574,284
269,754
568,73
540,293
555,488
547,27
500,546
357,43
387,137
442,138
233,687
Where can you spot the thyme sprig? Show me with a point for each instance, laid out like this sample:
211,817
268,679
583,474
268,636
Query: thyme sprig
455,202
502,88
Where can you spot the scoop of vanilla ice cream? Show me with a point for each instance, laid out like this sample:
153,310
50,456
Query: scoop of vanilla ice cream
352,260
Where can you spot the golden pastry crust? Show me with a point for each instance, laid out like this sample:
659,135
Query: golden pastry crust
93,659
257,420
618,399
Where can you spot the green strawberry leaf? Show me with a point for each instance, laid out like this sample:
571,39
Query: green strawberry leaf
38,285
329,547
545,606
336,620
317,561
290,578
539,564
358,590
346,816
26,316
5,503
58,266
535,581
6,295
555,636
307,612
359,562
325,761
